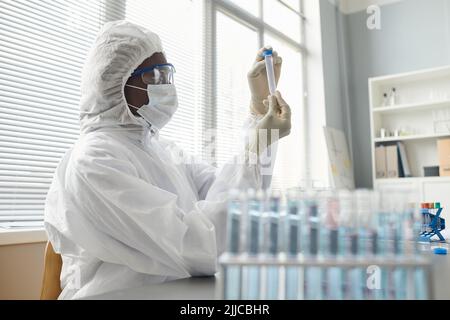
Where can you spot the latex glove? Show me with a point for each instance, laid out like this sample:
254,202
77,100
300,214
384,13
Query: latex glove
278,117
257,80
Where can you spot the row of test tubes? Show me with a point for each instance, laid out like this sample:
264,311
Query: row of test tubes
311,226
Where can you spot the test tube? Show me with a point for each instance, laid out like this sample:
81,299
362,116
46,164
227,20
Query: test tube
268,57
292,244
428,217
376,236
252,286
437,206
363,206
401,224
329,220
271,243
313,274
233,273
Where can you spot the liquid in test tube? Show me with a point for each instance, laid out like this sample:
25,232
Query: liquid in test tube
268,57
233,273
254,236
272,244
293,246
313,274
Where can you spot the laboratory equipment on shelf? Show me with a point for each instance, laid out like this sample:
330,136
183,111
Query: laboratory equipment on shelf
323,245
432,223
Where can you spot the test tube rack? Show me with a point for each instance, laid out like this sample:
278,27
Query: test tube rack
434,226
410,264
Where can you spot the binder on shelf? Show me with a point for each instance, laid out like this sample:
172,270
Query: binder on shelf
392,161
404,168
380,162
443,146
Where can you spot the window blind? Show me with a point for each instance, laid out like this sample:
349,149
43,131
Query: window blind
42,52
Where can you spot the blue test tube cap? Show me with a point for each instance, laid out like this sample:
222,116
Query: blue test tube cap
440,250
267,52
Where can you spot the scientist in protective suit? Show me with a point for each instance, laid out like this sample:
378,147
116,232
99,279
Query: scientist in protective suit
121,211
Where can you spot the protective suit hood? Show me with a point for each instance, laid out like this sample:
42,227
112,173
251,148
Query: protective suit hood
118,50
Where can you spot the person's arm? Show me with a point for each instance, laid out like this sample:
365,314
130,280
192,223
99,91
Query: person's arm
103,206
204,174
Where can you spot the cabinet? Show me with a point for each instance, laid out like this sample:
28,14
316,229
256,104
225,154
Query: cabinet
417,117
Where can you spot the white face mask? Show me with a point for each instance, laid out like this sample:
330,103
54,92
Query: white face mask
163,103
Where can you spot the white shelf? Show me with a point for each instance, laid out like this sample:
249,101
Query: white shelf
412,137
419,75
414,179
427,91
411,107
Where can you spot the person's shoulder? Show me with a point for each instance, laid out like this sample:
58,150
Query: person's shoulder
98,146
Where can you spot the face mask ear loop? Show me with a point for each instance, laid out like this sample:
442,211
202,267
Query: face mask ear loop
130,105
139,88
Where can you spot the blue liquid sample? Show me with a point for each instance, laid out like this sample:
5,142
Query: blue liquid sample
356,274
334,274
234,225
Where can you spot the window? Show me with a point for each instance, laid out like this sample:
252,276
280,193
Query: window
238,36
234,56
178,24
43,45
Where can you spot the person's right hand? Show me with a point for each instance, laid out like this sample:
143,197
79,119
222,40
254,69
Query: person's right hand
278,117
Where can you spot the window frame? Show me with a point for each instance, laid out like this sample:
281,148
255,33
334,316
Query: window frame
211,8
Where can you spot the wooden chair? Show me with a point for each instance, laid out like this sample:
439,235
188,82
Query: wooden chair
51,286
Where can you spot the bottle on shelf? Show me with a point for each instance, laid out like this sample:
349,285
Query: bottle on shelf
385,102
393,97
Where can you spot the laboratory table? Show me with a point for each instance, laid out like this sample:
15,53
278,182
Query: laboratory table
207,288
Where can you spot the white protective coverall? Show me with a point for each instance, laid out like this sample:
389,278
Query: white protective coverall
120,210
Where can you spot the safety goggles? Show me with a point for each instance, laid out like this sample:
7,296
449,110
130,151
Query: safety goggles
156,74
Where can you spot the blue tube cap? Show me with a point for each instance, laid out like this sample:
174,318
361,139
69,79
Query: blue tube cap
440,251
267,52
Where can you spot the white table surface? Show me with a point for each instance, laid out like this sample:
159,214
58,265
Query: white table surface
207,288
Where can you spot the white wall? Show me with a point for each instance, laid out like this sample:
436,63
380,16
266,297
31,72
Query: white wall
414,34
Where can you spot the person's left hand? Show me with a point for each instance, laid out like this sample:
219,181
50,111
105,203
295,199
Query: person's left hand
257,81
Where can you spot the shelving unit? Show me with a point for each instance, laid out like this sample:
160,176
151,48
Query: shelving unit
422,96
413,137
412,107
